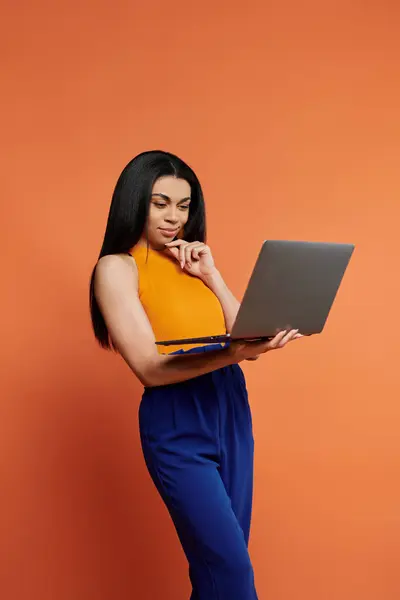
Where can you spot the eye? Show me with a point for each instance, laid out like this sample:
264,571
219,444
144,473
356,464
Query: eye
159,204
186,207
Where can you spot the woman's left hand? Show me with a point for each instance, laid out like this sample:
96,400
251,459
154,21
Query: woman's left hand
194,257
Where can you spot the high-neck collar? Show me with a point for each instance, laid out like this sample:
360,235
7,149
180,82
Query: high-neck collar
144,248
147,246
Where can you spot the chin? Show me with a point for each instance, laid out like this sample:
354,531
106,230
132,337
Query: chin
161,241
166,240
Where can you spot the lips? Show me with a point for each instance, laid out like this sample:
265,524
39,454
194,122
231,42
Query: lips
169,232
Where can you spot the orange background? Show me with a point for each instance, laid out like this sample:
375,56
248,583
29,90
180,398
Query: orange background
289,113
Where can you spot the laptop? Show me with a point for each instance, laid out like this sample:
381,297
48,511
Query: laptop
293,286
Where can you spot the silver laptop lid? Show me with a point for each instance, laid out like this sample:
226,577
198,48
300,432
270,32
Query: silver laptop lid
293,285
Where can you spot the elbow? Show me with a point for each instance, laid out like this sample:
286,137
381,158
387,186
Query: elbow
150,376
147,377
147,367
150,381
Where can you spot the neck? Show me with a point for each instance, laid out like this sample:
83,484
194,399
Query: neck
145,243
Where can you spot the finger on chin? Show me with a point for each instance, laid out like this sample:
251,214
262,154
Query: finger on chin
175,243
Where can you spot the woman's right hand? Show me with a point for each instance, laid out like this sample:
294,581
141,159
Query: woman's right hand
251,350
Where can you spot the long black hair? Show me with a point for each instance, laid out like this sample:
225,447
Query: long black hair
128,212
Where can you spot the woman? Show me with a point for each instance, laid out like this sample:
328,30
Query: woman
156,279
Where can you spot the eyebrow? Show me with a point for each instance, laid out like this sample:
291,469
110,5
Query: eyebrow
165,197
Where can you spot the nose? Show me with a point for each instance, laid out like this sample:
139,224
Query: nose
172,215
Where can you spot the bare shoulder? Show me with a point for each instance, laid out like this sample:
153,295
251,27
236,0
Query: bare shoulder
112,262
116,291
116,269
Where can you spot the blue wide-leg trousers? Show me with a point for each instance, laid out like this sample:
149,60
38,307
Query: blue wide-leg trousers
198,446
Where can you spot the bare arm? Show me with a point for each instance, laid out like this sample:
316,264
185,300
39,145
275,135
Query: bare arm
116,291
230,305
196,258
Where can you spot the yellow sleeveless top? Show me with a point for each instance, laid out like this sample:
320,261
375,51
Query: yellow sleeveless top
178,305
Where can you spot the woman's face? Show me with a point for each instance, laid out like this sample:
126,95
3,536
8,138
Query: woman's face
168,211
